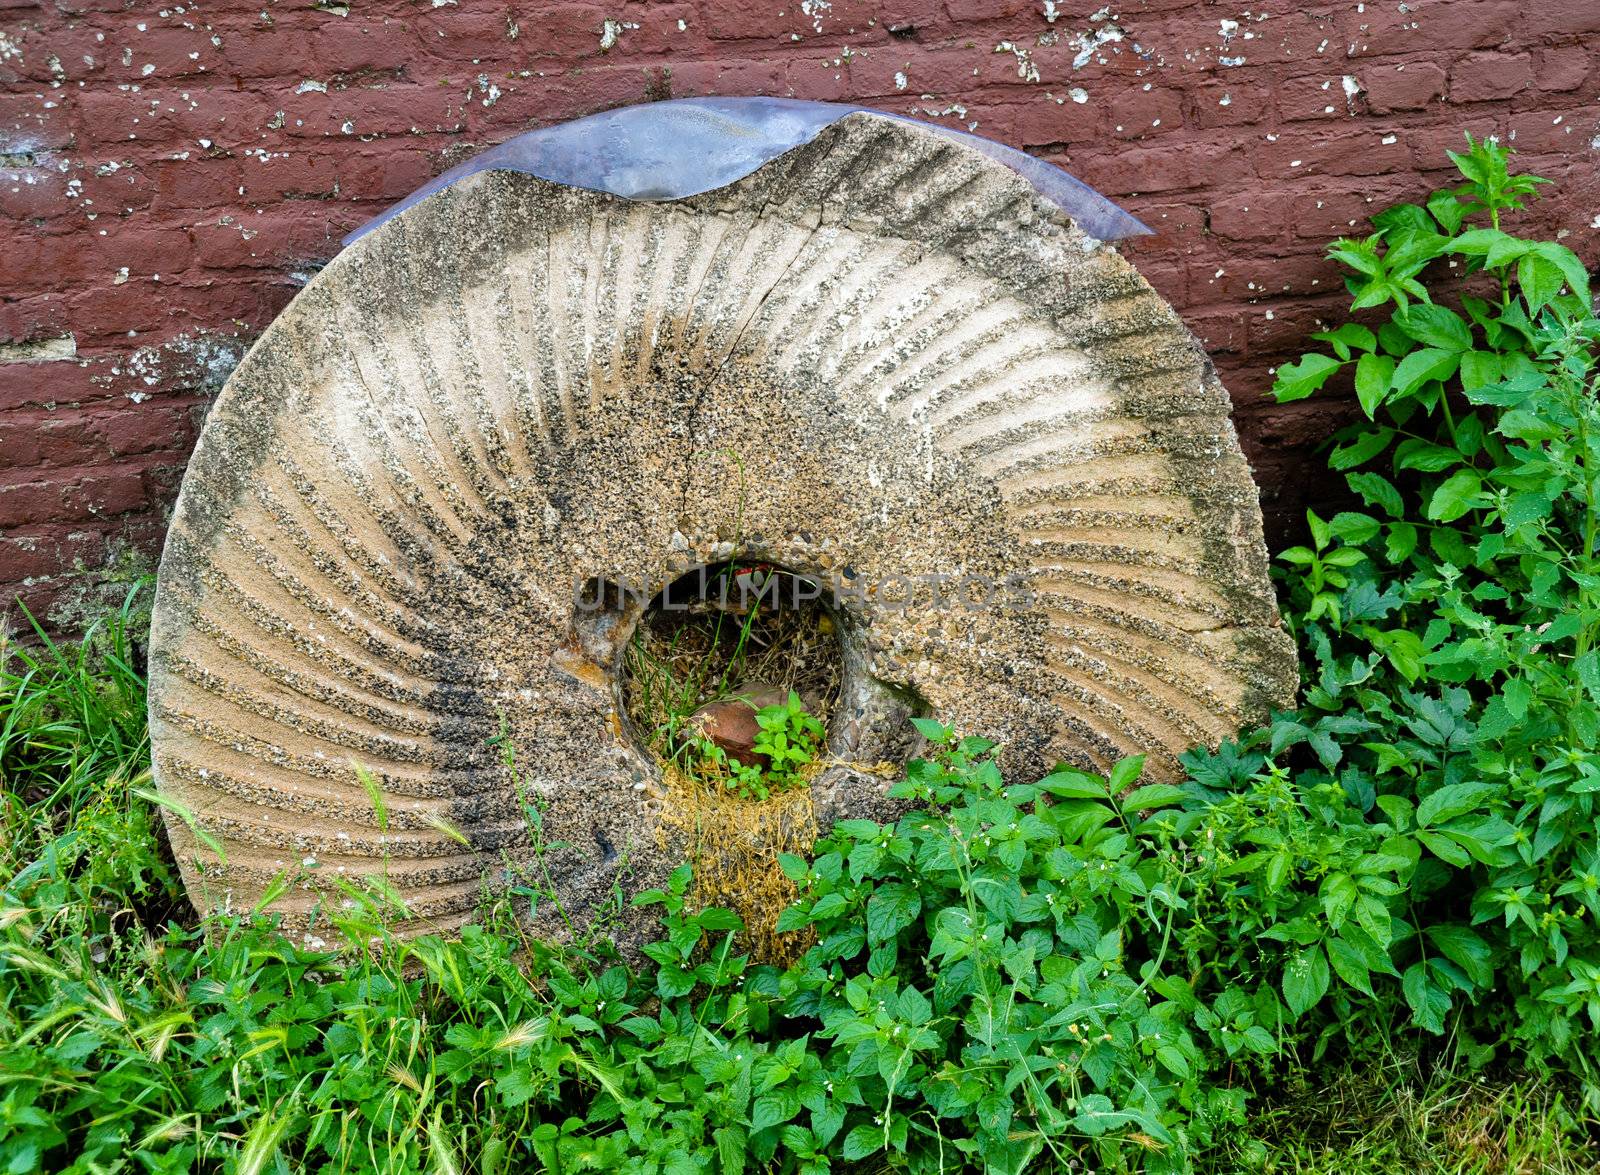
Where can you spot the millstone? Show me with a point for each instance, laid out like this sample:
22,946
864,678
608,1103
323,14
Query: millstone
879,361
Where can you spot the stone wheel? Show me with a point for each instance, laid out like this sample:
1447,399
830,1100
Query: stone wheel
879,361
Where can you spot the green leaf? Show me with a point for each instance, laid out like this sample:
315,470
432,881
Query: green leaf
1377,490
731,1144
1541,280
1349,965
774,1108
1479,368
1510,392
1071,784
1421,366
1453,800
890,910
1414,453
1402,541
673,981
1466,949
1571,267
1445,849
1435,326
1405,217
1125,773
1447,210
1351,334
1374,378
1173,1059
1477,242
1155,795
1296,381
1098,1115
1354,528
1361,450
1429,1003
1455,496
861,1142
1305,979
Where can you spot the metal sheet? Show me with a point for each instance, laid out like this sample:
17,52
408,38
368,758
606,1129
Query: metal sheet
686,146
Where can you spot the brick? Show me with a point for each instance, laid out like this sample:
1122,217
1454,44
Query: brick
175,119
37,262
139,305
1255,217
183,185
1177,226
144,428
1486,77
359,112
1042,124
1302,37
71,496
360,45
1429,142
386,174
34,121
1409,85
265,51
265,240
1340,211
980,10
1279,329
1322,96
296,173
1227,102
1562,18
116,186
734,77
1169,276
1220,332
1266,279
1143,113
1127,171
1556,71
1427,26
1552,131
32,193
1298,153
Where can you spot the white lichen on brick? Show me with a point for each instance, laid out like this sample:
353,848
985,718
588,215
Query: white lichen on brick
611,32
1026,69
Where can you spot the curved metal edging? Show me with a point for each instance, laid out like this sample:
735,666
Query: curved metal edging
686,146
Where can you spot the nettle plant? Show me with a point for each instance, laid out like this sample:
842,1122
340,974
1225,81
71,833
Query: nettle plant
1454,698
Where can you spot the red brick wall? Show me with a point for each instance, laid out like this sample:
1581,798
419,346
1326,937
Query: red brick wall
169,176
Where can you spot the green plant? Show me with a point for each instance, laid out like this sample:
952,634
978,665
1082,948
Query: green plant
1004,975
1452,627
788,740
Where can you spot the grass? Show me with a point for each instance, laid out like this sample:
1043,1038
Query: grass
1400,1117
73,717
168,1045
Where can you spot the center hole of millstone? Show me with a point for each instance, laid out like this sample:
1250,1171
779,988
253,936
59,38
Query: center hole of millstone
732,677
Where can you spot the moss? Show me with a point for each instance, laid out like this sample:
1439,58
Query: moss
96,592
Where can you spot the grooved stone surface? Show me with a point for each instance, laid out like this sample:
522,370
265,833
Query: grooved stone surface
877,357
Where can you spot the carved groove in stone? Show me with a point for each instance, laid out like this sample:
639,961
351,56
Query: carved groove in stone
879,352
